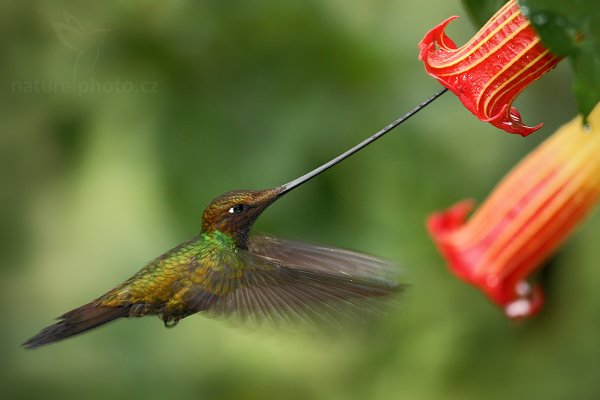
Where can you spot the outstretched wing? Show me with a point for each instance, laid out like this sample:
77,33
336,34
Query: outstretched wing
323,259
285,283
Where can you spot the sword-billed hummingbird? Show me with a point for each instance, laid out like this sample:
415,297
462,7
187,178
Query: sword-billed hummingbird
226,271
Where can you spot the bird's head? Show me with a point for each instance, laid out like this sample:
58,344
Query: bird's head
233,213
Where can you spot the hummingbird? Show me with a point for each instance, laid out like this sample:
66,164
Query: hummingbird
227,271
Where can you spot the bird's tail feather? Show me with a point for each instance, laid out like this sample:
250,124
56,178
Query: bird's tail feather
75,322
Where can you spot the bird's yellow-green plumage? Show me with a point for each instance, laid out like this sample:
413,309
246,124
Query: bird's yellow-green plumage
163,284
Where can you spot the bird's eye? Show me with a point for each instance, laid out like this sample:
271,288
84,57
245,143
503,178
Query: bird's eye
237,209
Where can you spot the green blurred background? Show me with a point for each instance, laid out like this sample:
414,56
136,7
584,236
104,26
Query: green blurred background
186,100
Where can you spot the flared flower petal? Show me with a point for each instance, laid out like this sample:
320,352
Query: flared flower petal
490,70
527,216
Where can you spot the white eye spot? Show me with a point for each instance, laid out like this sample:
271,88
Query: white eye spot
237,209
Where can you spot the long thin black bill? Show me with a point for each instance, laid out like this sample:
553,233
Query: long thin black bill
305,178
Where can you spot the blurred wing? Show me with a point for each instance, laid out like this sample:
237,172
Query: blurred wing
324,259
299,294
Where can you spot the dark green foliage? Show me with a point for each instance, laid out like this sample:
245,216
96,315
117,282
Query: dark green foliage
572,29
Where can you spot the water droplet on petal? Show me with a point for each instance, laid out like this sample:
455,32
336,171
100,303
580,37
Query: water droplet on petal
587,128
523,288
518,309
540,19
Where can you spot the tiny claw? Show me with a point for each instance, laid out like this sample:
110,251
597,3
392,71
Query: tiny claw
171,322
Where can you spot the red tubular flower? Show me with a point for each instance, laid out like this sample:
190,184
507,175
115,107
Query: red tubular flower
528,215
490,70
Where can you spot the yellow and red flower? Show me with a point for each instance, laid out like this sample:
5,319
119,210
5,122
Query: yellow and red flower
490,70
528,215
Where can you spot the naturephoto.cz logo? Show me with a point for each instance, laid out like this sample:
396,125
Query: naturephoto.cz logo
86,46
